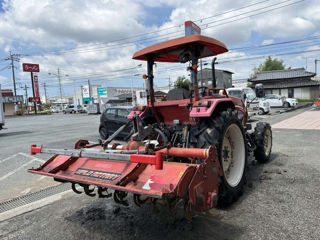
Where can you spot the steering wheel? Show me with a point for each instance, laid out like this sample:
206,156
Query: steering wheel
202,91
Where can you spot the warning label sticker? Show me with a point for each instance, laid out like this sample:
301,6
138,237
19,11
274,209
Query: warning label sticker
110,176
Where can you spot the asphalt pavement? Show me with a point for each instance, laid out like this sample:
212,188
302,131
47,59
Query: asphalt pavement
280,201
54,131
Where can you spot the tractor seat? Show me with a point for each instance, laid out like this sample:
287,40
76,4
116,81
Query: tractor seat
178,94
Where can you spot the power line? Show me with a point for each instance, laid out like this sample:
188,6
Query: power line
13,57
206,25
107,77
263,56
168,28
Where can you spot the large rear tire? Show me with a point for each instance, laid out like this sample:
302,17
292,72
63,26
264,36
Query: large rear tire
226,133
262,136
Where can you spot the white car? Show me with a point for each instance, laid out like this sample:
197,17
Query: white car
280,101
252,103
69,109
292,102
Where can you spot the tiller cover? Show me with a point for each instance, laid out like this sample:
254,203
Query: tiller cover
138,172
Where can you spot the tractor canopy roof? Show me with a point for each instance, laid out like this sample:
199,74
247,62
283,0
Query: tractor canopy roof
169,51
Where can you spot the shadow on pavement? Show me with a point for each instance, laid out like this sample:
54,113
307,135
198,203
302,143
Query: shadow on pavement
120,222
4,134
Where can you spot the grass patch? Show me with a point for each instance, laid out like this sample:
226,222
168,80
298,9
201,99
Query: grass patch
305,100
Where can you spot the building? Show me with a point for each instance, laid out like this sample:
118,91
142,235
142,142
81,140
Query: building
80,97
116,91
223,78
58,102
293,83
12,105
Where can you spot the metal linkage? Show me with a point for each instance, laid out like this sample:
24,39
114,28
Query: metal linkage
121,155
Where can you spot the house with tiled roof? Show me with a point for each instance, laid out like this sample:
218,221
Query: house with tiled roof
297,83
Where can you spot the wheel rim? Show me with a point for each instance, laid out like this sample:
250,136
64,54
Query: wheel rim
233,155
267,142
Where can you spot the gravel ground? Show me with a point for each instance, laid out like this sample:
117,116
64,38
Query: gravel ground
281,201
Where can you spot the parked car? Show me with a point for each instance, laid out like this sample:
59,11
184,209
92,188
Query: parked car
291,102
280,101
69,109
54,109
112,119
252,103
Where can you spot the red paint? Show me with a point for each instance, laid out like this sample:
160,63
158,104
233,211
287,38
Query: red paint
207,111
168,51
174,179
34,149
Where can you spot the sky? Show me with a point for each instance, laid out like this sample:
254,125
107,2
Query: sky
96,39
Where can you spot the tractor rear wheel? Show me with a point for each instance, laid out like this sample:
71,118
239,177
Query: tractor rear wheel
227,134
262,136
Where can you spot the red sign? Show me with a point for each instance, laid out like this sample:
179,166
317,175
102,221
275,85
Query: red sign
30,67
191,28
36,85
36,99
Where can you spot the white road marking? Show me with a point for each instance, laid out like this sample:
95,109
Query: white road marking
27,190
17,169
32,157
42,177
12,156
23,154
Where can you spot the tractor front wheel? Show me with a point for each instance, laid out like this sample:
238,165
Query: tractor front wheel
226,133
262,136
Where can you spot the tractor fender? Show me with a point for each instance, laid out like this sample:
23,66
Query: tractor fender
207,107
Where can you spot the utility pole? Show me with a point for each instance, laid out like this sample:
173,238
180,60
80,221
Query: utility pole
45,92
60,85
26,94
169,82
13,58
60,89
81,95
89,86
315,66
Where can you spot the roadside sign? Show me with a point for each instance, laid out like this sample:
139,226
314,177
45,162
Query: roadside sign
102,91
36,85
35,100
85,92
86,100
30,67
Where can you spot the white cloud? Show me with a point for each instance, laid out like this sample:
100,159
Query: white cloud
3,79
50,24
267,41
30,25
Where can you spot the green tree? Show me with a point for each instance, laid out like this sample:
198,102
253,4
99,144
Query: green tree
268,65
182,82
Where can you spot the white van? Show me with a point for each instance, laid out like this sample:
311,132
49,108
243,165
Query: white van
252,103
1,111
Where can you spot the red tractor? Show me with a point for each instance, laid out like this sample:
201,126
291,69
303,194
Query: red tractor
192,147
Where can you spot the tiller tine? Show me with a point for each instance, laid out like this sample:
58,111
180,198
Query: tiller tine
144,175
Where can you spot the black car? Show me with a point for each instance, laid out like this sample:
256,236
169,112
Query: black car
112,119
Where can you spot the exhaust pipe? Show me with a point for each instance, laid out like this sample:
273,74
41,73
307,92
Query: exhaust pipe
214,81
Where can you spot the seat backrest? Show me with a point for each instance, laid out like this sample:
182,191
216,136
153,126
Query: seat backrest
178,94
